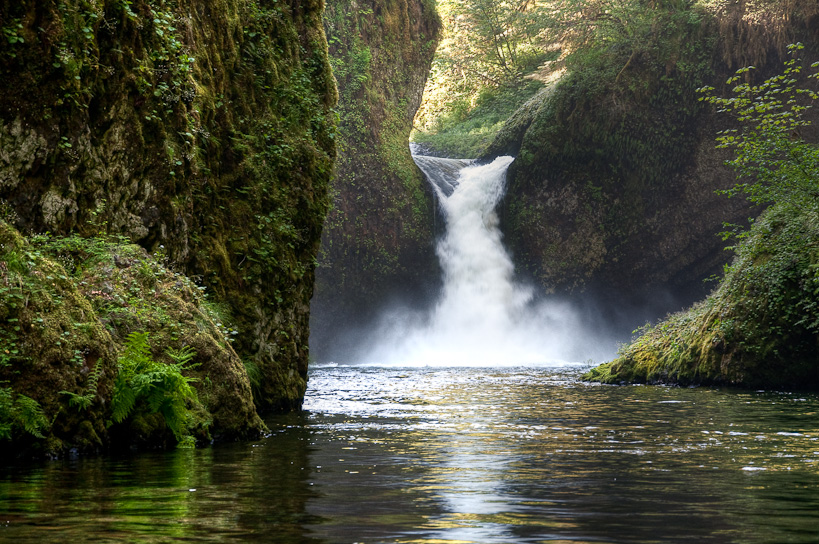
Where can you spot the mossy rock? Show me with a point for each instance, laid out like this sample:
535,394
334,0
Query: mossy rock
52,339
378,238
203,127
758,329
68,306
613,189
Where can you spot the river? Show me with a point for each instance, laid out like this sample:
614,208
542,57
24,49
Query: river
472,428
456,455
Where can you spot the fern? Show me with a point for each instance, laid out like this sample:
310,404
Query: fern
80,402
22,412
84,402
143,383
19,412
123,401
135,359
183,356
29,415
137,355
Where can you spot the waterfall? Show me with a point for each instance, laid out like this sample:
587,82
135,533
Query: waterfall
484,315
480,301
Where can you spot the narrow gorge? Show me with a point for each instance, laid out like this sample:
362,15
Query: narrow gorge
395,270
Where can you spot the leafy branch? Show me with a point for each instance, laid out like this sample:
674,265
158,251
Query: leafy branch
774,163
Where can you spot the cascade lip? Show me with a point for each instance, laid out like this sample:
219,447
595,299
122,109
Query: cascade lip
443,173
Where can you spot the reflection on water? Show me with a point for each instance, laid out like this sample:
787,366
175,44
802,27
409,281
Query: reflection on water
208,494
432,455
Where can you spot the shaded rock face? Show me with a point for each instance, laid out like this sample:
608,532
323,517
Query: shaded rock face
204,127
378,239
614,190
571,233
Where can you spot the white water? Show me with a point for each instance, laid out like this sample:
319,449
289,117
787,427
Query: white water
484,316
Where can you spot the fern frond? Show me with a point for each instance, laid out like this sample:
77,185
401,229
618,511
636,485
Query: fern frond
80,402
158,388
123,402
29,415
94,378
137,354
182,356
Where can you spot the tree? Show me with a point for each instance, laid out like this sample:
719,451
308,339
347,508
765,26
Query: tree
499,33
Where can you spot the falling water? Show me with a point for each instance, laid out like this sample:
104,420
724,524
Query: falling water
484,315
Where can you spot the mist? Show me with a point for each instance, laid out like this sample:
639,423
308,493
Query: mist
484,315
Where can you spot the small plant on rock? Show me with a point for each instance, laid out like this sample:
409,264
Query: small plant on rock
19,411
146,385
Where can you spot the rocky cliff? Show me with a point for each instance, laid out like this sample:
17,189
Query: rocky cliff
614,184
758,328
378,240
202,130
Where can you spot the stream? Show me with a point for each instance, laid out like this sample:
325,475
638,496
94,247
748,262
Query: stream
452,455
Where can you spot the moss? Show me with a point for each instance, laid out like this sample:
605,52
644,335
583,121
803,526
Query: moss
597,150
203,127
759,328
470,134
68,306
51,337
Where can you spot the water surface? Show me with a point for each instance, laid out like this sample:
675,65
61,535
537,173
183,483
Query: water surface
453,455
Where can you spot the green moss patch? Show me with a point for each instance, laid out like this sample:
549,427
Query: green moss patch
760,328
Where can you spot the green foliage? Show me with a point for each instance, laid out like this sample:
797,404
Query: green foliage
487,48
630,69
501,38
351,66
466,131
757,329
7,212
254,375
19,412
774,163
144,385
12,33
83,402
584,27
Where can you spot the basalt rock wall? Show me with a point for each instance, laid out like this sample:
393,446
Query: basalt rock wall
378,242
201,130
614,188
